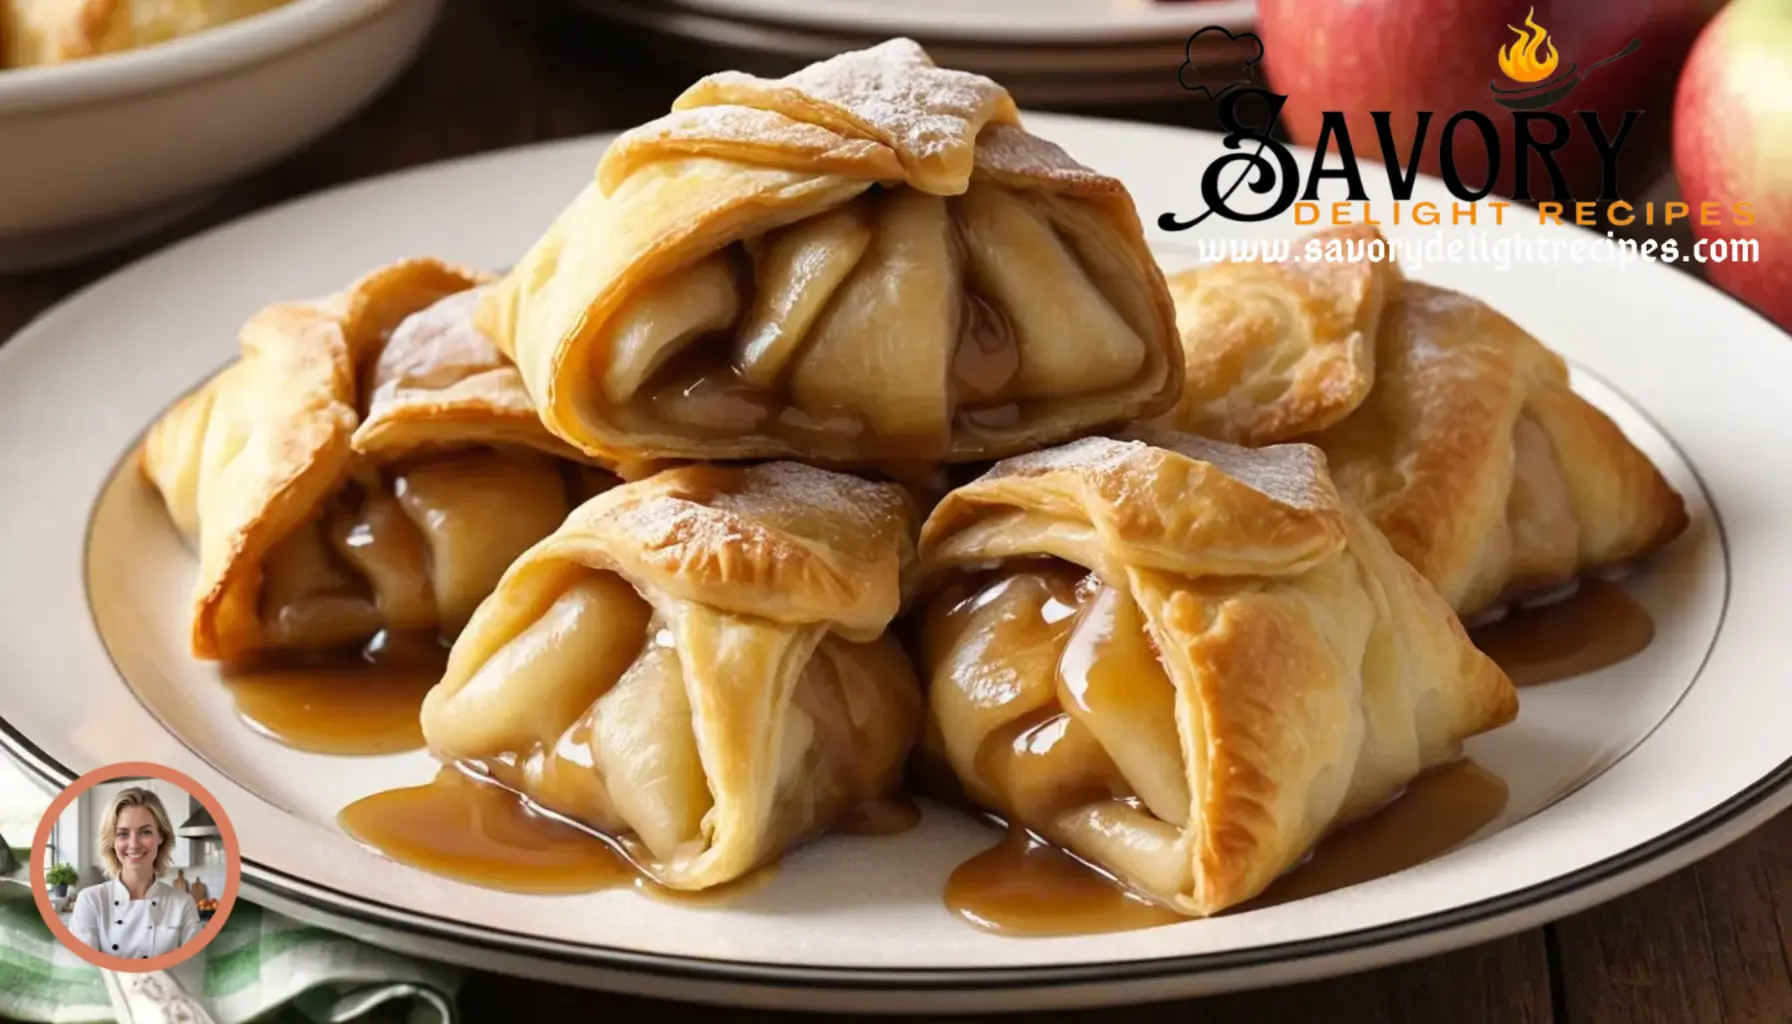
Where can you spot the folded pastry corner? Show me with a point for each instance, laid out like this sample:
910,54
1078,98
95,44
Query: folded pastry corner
1186,662
865,261
697,665
439,382
1274,350
305,542
1485,469
1458,433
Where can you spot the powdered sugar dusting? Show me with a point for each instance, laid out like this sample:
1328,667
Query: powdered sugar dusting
895,86
1010,151
1290,474
930,115
834,547
669,519
727,504
731,121
1090,454
832,494
743,133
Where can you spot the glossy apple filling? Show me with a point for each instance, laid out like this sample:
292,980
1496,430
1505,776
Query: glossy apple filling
1057,695
586,709
897,319
411,548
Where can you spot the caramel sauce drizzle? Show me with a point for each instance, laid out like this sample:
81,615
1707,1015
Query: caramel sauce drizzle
471,828
355,701
1596,626
1047,762
466,826
1440,810
1024,886
700,390
359,700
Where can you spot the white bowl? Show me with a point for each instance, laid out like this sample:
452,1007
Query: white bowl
99,151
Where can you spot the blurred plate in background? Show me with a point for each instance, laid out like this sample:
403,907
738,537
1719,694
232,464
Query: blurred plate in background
992,21
1060,53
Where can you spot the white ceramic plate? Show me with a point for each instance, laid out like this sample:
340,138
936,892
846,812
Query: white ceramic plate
1616,778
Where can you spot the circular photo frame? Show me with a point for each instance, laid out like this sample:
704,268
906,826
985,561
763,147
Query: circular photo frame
212,913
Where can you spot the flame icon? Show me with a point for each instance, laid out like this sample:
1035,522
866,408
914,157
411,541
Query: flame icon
1525,63
1520,61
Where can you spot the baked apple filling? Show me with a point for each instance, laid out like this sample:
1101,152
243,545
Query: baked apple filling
1236,665
697,665
412,548
588,709
1061,694
892,321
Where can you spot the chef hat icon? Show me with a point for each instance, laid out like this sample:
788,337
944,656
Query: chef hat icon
1215,55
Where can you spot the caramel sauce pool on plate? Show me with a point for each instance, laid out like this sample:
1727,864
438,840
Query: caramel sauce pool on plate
1439,811
464,826
341,702
1596,626
470,828
477,831
1024,887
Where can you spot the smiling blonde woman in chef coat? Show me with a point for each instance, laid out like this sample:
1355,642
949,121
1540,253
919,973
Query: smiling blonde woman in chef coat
134,914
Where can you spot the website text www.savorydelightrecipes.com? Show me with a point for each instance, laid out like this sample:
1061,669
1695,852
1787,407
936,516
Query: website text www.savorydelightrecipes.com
1498,253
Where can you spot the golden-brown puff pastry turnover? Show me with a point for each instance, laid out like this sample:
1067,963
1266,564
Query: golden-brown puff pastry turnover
1274,350
697,665
1186,662
368,462
1456,431
53,31
867,260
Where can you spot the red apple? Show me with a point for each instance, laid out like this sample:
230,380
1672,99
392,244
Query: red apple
1733,144
1405,56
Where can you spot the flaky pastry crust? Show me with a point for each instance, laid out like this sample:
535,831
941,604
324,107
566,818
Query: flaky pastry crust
257,451
1186,661
697,664
1456,431
800,268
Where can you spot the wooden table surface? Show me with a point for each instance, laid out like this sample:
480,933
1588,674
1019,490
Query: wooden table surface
1707,944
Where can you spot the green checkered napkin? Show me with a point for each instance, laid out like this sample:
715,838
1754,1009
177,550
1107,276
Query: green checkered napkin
262,967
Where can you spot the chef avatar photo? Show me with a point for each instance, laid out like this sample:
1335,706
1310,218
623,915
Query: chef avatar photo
135,913
134,866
